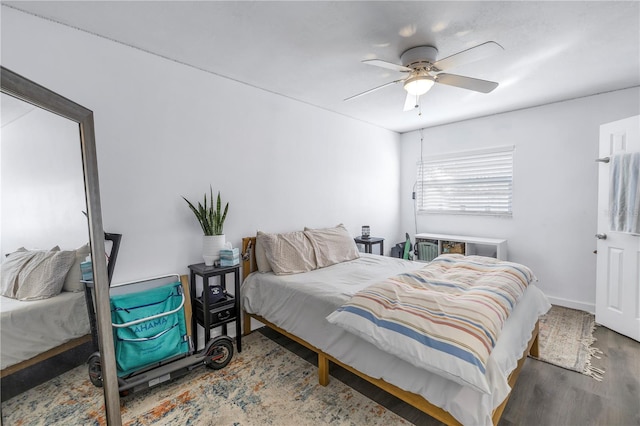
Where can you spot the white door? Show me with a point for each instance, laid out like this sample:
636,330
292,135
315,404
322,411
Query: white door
618,264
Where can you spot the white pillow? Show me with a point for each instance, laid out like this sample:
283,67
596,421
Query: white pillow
289,253
11,267
332,245
43,275
261,258
72,281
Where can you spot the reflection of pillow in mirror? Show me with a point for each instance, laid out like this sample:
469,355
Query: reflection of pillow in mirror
11,267
72,281
43,276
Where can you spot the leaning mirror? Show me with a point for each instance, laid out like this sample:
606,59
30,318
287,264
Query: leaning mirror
50,201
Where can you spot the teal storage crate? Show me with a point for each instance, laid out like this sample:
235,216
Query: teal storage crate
148,327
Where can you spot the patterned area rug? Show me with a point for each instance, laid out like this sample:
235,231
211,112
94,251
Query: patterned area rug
264,385
566,336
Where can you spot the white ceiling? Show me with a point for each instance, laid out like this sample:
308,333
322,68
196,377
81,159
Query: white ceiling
311,51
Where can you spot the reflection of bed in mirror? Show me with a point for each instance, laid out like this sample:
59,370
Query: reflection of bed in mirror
53,216
42,205
33,331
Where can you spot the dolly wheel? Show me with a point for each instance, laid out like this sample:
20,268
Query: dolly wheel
219,354
95,370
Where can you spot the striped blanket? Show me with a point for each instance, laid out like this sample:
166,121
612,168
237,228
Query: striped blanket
445,317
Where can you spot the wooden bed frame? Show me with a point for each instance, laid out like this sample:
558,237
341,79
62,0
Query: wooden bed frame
417,401
45,355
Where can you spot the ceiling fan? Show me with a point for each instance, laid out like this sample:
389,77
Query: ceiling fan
424,71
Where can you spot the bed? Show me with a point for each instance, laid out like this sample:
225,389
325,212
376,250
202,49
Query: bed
33,331
297,306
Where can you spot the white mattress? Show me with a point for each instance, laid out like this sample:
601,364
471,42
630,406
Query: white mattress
28,328
299,304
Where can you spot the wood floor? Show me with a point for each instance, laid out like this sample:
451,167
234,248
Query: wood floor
544,394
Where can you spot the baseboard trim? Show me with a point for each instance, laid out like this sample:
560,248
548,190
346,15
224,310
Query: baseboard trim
573,304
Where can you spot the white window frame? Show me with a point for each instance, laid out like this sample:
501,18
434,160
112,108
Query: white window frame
478,182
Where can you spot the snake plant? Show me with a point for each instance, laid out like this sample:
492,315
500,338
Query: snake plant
211,219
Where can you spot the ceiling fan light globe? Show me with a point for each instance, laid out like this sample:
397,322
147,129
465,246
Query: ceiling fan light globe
418,85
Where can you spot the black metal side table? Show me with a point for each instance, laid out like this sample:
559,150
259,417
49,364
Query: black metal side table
369,242
218,314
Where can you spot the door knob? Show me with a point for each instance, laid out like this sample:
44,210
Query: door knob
601,236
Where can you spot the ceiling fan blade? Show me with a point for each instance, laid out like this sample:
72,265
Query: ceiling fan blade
410,102
472,54
388,65
373,90
477,85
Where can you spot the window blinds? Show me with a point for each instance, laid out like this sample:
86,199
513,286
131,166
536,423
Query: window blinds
478,182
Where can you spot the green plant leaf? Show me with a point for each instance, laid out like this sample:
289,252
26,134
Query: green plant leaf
211,219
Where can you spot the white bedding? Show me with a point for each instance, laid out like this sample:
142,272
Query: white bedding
28,328
300,303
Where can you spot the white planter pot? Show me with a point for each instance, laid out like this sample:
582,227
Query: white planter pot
211,246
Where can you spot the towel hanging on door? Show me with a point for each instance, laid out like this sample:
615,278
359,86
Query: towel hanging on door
624,193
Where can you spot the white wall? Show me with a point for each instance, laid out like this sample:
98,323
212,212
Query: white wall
42,184
555,186
164,130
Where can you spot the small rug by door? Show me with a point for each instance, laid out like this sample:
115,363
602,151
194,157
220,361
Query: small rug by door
265,384
566,336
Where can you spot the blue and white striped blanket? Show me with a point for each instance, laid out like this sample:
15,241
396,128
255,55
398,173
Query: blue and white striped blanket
445,318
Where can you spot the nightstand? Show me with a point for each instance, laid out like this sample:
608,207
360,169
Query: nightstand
218,314
369,242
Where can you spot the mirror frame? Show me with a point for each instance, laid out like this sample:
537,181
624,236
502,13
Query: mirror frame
26,90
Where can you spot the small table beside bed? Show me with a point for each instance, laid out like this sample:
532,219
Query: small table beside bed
451,390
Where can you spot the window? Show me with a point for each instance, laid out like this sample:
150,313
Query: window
474,182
